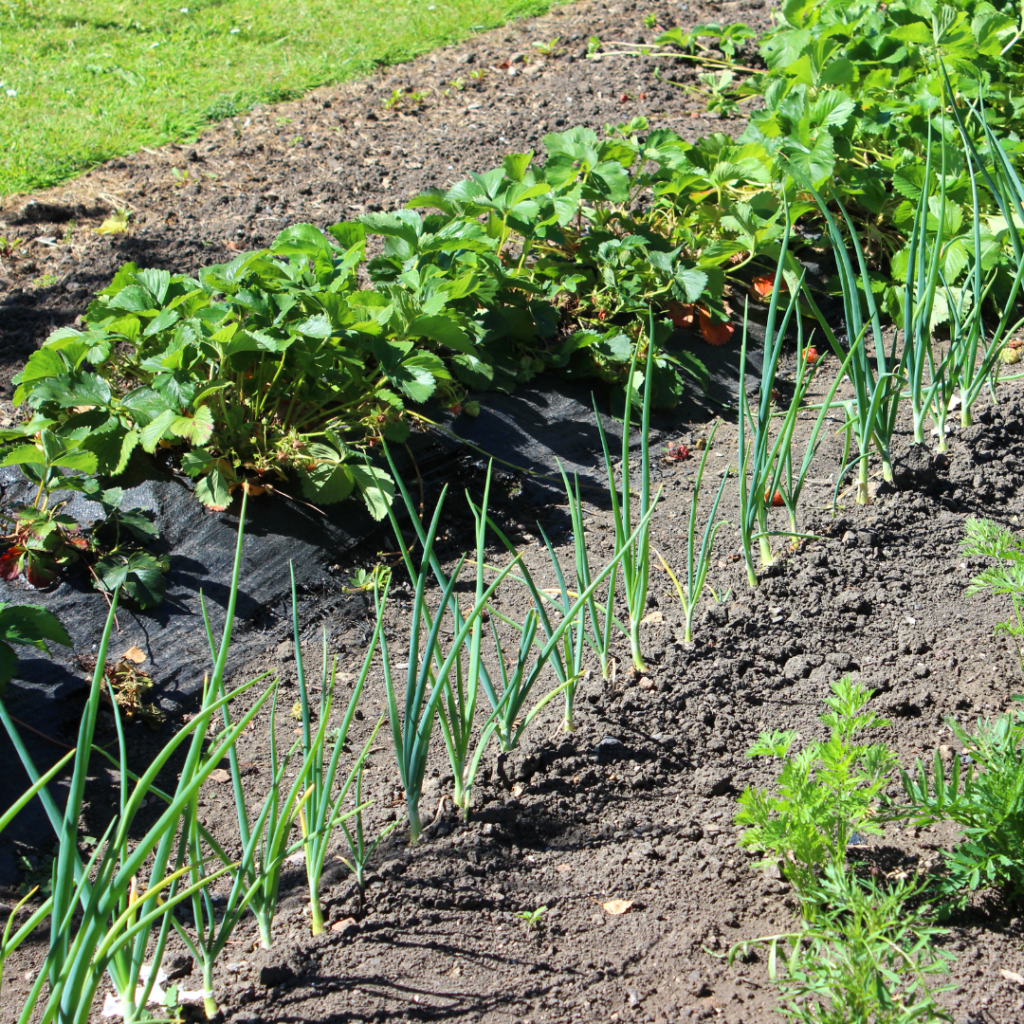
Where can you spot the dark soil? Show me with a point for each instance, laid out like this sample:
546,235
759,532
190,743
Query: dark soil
637,804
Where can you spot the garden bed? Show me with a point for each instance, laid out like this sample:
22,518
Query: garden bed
637,803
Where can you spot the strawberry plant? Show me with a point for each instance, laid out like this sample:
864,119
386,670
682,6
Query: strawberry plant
26,624
853,95
279,366
578,239
259,366
42,540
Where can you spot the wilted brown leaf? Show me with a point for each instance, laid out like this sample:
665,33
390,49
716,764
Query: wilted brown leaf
617,906
134,654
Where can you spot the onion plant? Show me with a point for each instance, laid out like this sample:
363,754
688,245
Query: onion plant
264,839
517,684
113,933
875,378
323,810
428,682
928,395
454,683
567,659
978,351
437,683
789,483
459,702
599,636
11,940
560,640
636,558
773,478
359,849
759,464
213,925
461,699
698,560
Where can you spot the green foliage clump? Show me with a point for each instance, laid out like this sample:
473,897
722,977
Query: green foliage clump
864,950
853,94
824,793
239,366
986,539
42,540
868,956
982,791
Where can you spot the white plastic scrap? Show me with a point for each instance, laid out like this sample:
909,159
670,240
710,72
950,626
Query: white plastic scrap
113,1005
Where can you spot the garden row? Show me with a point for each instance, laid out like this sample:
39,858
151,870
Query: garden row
479,674
281,361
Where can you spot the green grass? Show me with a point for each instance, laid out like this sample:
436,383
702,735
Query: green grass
96,79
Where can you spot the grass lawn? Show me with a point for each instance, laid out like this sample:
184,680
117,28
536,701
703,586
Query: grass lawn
82,81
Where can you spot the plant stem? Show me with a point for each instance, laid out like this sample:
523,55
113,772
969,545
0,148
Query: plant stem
209,1000
570,698
461,795
886,467
266,938
415,825
688,623
863,496
317,914
634,644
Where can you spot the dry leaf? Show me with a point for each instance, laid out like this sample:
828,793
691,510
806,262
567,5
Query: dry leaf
340,926
220,775
116,225
617,906
655,616
134,654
